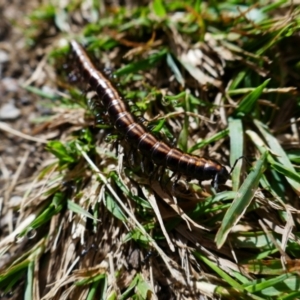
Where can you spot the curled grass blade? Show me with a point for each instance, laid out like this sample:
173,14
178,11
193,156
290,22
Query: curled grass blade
241,201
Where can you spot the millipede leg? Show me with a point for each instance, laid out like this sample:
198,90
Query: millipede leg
141,120
116,146
152,174
131,154
108,72
142,165
215,182
156,174
148,255
161,173
164,182
175,181
147,166
86,250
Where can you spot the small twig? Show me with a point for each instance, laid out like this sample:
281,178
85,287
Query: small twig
5,127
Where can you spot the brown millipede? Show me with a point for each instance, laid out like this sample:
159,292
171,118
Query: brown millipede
161,154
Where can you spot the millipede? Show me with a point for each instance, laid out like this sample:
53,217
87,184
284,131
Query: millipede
161,154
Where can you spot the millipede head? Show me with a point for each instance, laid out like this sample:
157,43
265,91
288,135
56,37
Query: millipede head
223,175
220,178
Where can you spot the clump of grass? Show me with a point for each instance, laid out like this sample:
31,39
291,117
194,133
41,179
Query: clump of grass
221,80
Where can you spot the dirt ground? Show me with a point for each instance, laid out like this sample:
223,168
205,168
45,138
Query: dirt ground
19,109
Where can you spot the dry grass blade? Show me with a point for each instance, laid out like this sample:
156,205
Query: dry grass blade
5,127
152,201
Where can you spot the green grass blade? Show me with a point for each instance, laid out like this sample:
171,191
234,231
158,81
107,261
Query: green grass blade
159,9
236,135
282,157
143,289
91,279
41,93
270,284
114,208
241,201
265,267
239,291
219,271
29,283
131,287
253,240
143,202
291,296
247,104
184,133
288,173
172,64
79,210
212,139
145,64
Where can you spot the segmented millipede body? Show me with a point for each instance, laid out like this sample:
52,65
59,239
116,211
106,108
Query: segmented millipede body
161,154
